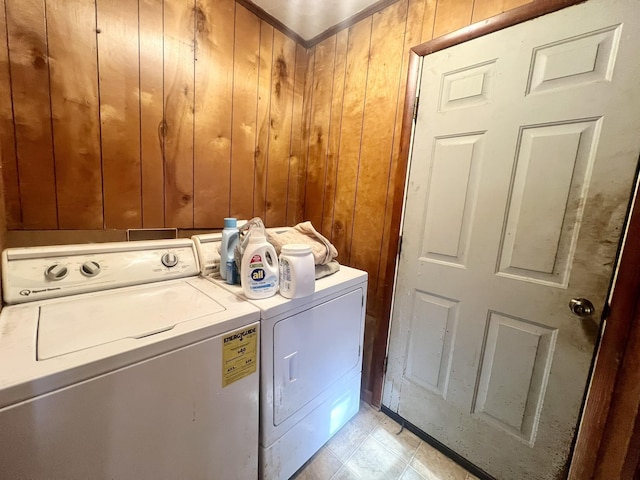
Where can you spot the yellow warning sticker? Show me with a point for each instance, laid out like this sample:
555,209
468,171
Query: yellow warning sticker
239,354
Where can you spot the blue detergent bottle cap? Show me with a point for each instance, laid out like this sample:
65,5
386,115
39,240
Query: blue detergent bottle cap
230,222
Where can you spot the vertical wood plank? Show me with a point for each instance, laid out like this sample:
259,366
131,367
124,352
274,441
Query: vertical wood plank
428,20
213,96
3,218
265,60
6,120
353,107
120,112
335,125
387,42
414,31
414,26
179,38
452,15
319,131
488,8
71,26
284,58
245,102
151,112
10,183
298,154
30,87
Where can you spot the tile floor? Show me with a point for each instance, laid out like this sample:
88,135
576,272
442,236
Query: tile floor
369,447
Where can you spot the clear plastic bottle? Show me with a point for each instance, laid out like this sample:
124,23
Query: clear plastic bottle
230,236
259,270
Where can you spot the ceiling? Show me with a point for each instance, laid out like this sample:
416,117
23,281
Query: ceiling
309,18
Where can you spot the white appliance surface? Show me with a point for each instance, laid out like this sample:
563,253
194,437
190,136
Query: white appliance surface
311,362
99,319
302,368
125,382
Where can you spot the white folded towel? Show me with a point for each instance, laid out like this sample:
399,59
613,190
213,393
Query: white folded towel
323,250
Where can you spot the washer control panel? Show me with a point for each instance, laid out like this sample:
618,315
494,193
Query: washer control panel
45,272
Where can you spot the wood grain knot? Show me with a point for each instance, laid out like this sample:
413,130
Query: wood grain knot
282,70
201,20
38,62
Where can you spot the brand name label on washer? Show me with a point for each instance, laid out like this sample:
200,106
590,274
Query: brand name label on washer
239,354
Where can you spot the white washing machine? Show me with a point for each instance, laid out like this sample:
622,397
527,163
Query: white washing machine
118,361
311,363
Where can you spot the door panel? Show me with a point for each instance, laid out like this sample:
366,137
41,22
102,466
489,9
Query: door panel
513,376
430,347
451,196
552,174
523,158
582,59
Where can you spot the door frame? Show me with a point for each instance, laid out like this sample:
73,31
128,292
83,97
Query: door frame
603,446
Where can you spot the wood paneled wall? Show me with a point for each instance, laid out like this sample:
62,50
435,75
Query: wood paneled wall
355,111
125,114
149,113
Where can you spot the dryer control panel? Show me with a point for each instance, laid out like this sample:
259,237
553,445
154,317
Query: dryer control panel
37,273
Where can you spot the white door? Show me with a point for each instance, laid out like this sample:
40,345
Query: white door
524,154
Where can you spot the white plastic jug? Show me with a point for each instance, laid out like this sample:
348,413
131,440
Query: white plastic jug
259,270
297,271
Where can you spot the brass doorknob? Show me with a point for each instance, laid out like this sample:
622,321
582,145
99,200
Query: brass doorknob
581,307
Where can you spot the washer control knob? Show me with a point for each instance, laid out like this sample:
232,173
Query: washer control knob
169,260
90,268
56,272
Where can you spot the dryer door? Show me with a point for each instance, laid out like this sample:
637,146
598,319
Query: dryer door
314,349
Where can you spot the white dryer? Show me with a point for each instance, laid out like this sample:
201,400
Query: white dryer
311,364
118,361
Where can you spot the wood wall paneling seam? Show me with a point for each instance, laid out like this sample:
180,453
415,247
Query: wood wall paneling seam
30,94
263,115
152,117
10,177
280,127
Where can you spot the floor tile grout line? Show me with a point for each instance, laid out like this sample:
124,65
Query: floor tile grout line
403,471
378,421
394,452
360,443
387,449
369,432
415,452
342,467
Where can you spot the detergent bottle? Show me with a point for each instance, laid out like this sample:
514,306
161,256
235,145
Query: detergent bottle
230,236
259,270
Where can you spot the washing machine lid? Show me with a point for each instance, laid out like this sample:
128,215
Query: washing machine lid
76,324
